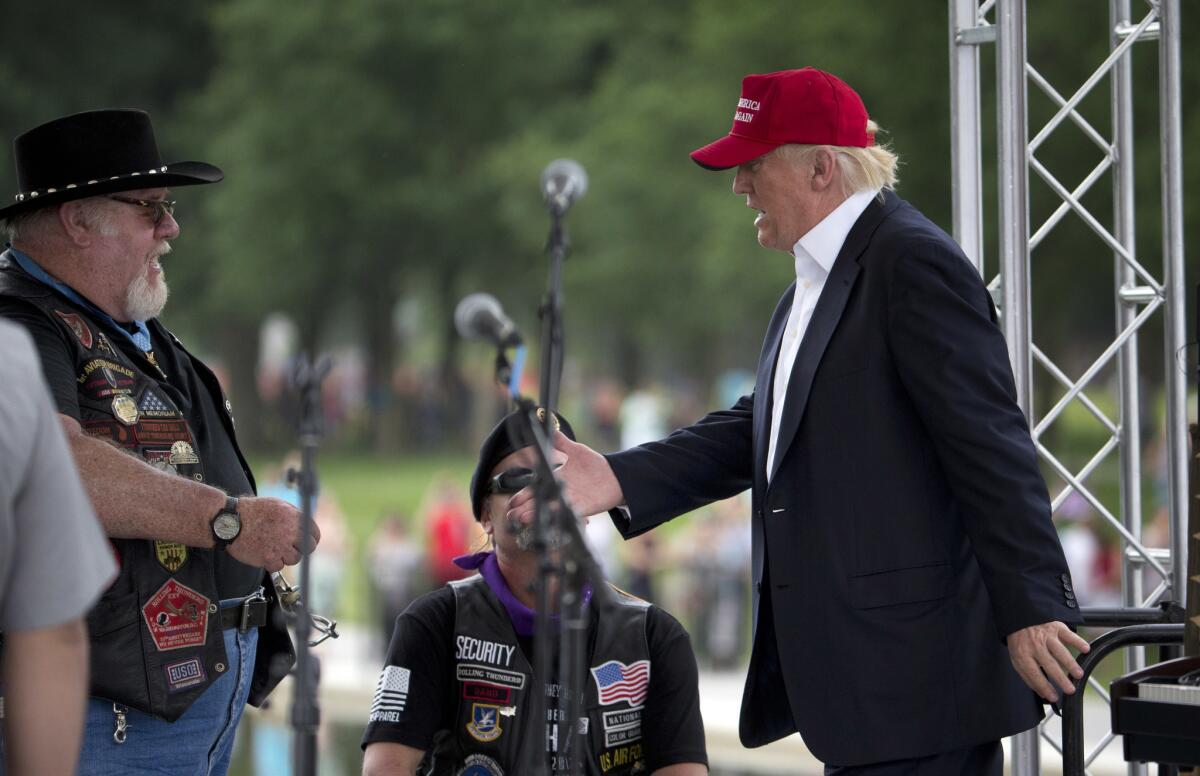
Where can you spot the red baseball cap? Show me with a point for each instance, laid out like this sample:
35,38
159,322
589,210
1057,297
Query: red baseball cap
806,106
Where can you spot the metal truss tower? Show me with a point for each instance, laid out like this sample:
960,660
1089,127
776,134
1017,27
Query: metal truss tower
1108,383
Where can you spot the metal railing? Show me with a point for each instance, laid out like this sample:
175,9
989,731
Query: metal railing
1140,295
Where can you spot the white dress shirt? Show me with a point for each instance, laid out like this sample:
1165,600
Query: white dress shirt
815,253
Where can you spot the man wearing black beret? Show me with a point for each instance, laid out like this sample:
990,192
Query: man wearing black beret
454,693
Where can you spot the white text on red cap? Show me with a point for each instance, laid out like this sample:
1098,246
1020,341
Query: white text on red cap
739,115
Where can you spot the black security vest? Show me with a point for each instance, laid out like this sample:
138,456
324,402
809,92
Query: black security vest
494,681
156,640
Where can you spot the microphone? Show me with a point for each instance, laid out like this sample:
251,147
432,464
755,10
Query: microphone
563,182
480,317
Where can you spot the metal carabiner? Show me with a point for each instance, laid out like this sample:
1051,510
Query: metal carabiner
289,599
119,734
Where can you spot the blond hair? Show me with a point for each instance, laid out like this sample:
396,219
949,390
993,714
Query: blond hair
863,169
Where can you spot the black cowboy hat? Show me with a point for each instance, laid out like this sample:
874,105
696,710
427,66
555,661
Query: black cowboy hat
95,152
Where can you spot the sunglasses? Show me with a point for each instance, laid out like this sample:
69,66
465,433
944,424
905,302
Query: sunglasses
161,207
512,480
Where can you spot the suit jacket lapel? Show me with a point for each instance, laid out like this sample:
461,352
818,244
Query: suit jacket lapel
825,318
764,386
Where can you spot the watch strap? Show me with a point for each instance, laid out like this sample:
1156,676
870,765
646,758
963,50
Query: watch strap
230,508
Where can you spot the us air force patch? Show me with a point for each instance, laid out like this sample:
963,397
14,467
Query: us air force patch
480,765
171,555
485,722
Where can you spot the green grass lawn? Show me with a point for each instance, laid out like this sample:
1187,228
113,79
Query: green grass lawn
366,488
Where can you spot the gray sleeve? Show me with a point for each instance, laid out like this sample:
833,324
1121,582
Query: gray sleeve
58,559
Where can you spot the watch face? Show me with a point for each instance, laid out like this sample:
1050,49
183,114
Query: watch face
227,526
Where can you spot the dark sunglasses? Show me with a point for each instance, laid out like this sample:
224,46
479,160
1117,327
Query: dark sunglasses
161,206
512,480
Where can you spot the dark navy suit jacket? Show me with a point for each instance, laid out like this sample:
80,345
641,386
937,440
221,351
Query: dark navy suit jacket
906,529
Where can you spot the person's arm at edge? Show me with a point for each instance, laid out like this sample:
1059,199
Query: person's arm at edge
672,723
655,482
682,769
45,679
385,758
940,308
133,500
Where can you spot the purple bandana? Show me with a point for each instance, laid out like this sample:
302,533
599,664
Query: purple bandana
522,617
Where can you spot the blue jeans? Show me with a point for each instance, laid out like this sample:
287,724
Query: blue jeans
200,743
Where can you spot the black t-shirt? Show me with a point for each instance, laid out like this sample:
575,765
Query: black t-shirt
222,467
423,642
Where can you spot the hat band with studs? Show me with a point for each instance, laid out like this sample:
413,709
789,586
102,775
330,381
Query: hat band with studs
21,197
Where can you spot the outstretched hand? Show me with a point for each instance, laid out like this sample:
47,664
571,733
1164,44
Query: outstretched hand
587,481
1041,656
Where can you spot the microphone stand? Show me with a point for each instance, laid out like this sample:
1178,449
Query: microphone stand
574,566
577,569
306,714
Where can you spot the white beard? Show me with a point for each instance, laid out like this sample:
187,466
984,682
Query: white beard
144,301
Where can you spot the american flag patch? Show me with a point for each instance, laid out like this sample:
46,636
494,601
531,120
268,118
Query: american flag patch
390,695
619,682
152,403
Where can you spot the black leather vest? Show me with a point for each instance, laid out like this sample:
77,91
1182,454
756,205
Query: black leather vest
156,640
494,681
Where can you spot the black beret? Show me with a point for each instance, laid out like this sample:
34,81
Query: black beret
499,444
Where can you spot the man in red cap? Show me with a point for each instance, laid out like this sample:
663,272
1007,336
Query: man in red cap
909,585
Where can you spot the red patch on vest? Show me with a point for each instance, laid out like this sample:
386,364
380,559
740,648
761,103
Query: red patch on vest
77,325
490,693
177,617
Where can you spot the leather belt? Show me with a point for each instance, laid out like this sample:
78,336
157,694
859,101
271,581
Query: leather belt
251,613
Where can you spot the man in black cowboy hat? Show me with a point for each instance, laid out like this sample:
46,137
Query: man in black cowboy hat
455,693
184,636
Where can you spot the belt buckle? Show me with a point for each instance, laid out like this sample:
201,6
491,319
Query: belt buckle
256,597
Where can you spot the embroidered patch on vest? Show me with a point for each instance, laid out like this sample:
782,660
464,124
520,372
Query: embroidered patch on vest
480,765
177,617
152,406
185,674
110,431
160,459
162,432
77,325
622,727
485,722
481,673
618,682
171,555
101,378
487,692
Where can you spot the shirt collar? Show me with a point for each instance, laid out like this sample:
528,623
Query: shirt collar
140,338
824,242
523,618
